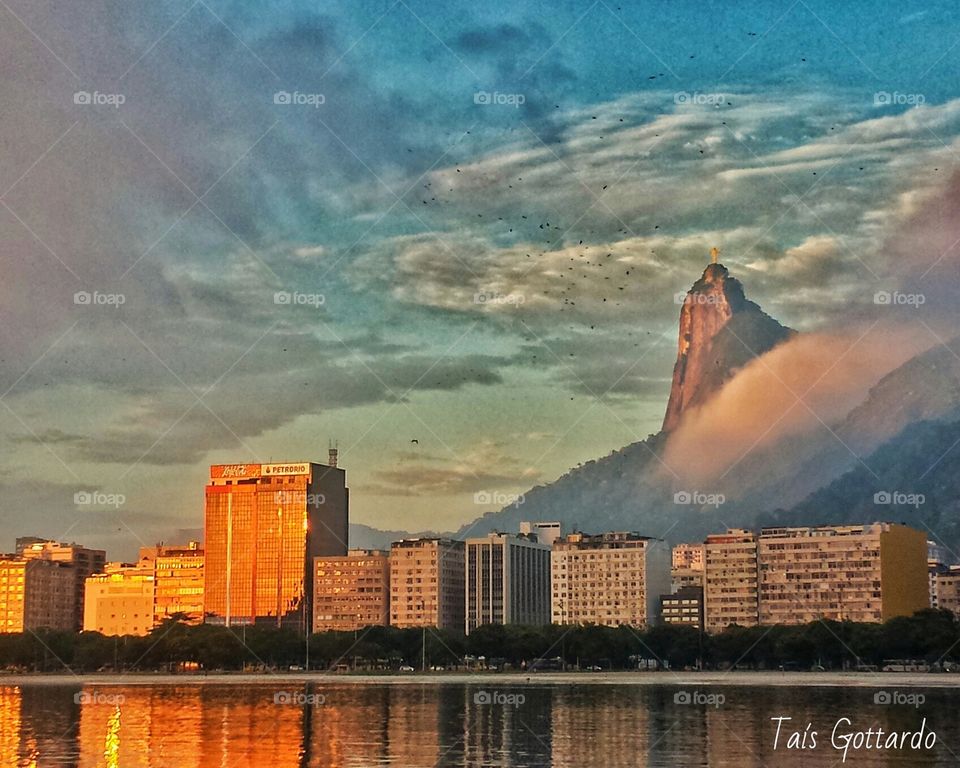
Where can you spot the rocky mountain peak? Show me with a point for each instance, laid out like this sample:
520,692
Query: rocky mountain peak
720,331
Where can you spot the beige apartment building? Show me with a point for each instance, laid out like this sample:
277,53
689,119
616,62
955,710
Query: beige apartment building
687,567
947,589
351,592
36,594
83,561
427,583
730,580
608,579
119,601
864,573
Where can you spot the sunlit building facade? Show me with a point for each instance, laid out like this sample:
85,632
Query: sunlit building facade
119,601
507,580
427,583
265,524
83,561
688,556
863,573
730,580
178,581
351,591
36,594
610,579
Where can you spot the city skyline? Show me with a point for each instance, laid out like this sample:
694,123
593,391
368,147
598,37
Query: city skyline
292,233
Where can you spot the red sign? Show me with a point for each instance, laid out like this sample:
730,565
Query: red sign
231,471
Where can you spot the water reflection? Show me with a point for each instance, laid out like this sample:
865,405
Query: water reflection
353,725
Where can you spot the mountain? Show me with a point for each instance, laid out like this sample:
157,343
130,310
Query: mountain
913,479
925,388
907,417
366,537
720,332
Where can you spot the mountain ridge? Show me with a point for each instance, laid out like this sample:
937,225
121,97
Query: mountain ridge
720,332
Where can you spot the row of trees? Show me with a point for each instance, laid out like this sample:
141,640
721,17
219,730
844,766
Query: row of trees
930,635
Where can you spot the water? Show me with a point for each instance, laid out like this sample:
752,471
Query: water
491,722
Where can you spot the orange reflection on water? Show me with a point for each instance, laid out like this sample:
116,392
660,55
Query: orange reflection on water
408,724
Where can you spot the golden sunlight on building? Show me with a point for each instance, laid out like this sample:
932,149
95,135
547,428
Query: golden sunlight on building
36,594
178,580
120,600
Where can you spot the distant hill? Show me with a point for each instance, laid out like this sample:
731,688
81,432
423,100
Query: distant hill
923,459
366,537
925,388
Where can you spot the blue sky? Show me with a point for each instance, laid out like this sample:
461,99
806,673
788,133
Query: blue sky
492,280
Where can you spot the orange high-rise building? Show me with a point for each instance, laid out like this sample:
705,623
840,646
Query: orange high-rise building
265,524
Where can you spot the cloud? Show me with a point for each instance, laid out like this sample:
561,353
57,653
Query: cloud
798,389
593,204
497,38
540,220
484,468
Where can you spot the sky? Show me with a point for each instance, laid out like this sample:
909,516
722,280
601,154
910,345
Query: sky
445,237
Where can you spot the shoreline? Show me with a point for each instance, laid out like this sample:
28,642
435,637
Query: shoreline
740,678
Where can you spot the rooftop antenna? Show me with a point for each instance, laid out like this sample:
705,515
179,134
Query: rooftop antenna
332,452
